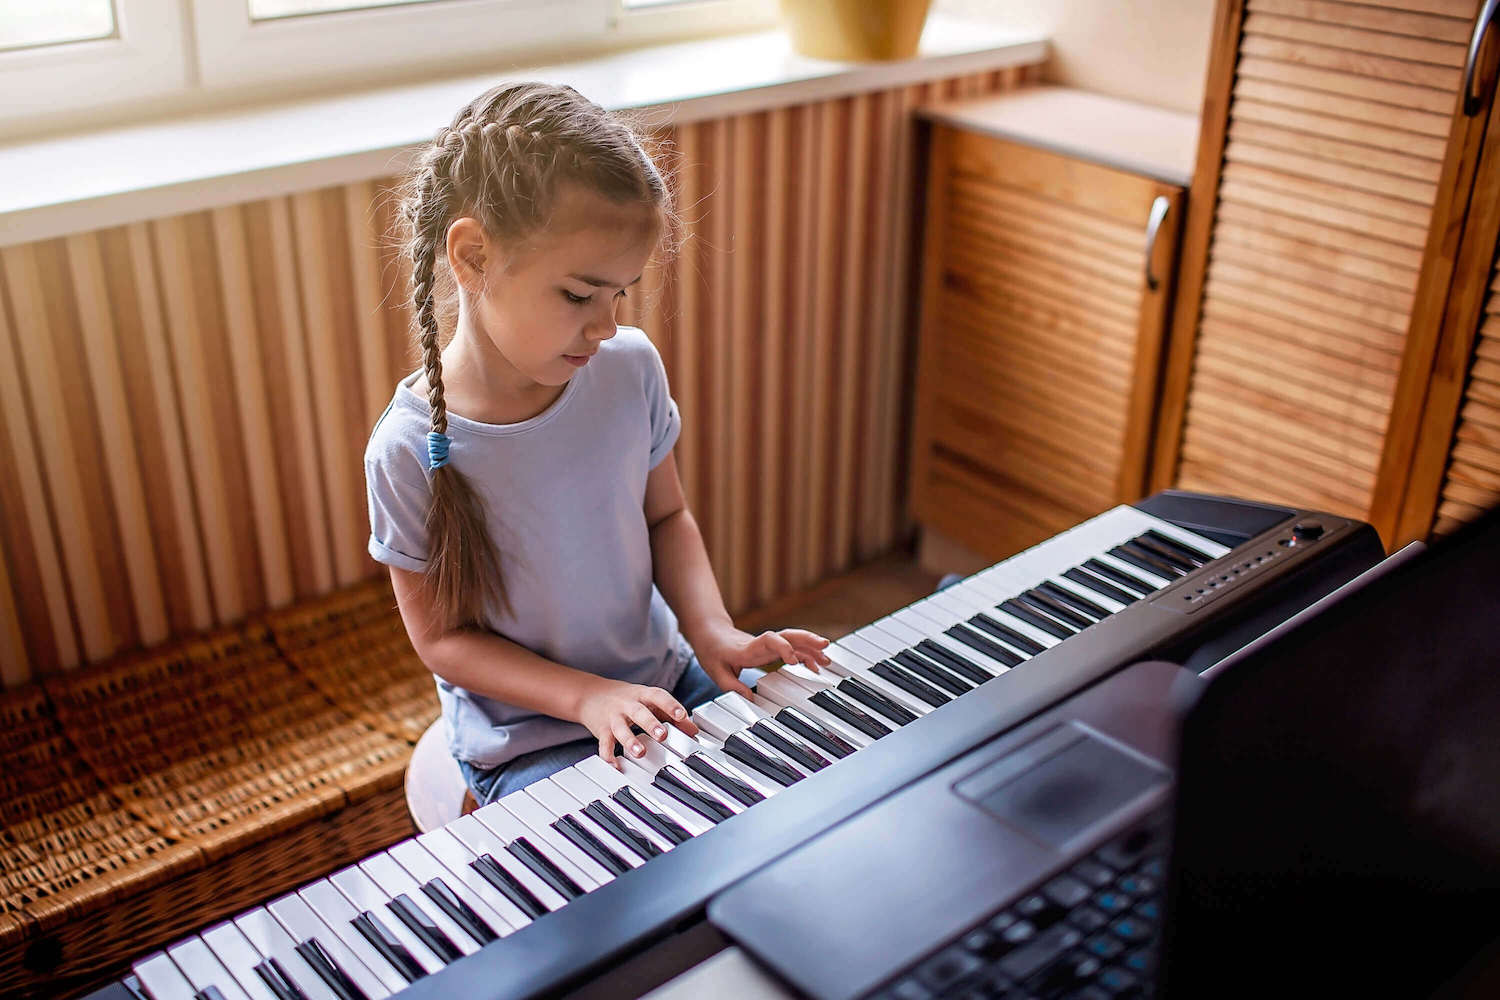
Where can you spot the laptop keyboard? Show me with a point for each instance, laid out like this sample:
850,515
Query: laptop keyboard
1088,932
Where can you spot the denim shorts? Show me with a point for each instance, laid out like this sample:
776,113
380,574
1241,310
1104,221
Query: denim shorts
488,784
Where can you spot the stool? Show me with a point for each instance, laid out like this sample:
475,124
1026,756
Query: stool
435,791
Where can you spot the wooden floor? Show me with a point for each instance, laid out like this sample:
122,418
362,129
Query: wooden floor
845,603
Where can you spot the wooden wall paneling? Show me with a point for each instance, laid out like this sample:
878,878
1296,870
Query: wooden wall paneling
832,126
15,660
940,143
122,467
688,334
852,356
773,339
164,448
747,254
370,310
807,153
244,334
883,215
43,333
727,439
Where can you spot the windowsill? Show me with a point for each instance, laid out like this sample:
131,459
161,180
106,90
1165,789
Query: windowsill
60,185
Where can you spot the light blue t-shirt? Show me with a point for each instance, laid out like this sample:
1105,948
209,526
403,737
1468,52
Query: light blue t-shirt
565,494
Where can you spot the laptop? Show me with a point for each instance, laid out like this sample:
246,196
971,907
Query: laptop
1318,815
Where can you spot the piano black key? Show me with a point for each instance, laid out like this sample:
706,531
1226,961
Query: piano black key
819,736
1174,559
1078,603
313,952
392,950
420,924
847,712
1181,548
458,911
1137,556
1084,578
710,809
508,885
956,663
208,993
274,975
644,847
121,990
874,700
133,987
1057,609
989,623
933,673
914,686
1035,618
526,852
659,822
794,750
752,756
1130,582
724,782
583,839
969,634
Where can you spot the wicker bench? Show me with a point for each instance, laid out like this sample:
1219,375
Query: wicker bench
146,797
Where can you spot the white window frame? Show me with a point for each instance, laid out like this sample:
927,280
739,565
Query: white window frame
146,58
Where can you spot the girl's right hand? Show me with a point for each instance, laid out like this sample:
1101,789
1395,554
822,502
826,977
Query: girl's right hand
610,711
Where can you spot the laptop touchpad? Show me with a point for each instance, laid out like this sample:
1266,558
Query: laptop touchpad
1061,785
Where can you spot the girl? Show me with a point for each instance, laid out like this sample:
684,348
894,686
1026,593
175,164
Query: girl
521,485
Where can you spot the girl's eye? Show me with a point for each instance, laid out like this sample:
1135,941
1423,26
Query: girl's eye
577,300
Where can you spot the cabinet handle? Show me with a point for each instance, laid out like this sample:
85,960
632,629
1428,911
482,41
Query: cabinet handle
1471,99
1159,209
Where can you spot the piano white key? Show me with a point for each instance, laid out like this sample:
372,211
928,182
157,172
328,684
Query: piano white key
717,721
304,925
508,827
197,962
789,693
926,617
335,910
480,839
823,681
458,859
1030,631
760,704
649,768
1104,601
733,725
273,942
711,746
580,787
239,957
394,881
893,626
1144,576
609,779
737,704
981,660
162,979
867,651
559,802
536,816
422,866
1202,543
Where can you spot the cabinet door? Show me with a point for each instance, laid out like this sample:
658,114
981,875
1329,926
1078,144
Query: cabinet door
1333,176
1041,336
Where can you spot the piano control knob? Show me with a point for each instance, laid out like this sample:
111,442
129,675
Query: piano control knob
1307,531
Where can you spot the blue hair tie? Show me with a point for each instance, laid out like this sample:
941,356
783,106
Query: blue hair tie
437,449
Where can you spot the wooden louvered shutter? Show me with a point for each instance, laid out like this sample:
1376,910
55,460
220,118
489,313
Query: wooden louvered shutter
1328,176
1472,481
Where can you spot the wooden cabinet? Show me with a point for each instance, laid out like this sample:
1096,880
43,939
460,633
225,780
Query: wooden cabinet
1050,242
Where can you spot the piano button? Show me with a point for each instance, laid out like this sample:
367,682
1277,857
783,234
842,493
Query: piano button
584,839
725,784
935,673
610,780
688,795
330,906
954,662
279,958
203,970
422,866
846,711
387,946
1120,577
916,687
1091,582
637,841
1078,604
162,979
972,634
1038,598
864,692
659,822
1035,618
458,860
1176,560
820,736
344,973
789,746
759,758
538,830
480,839
1143,560
1196,556
994,622
239,957
396,882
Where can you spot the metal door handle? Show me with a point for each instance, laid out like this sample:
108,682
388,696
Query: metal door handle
1472,100
1159,209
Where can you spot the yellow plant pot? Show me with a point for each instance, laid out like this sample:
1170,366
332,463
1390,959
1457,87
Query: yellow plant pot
855,30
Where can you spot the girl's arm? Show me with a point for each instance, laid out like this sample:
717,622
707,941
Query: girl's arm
686,580
491,665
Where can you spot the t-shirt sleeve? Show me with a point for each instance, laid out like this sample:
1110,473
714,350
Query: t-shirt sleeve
398,511
666,423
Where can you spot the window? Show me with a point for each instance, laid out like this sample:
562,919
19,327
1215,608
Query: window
24,26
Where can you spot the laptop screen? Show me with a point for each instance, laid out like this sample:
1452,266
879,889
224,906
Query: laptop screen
1337,827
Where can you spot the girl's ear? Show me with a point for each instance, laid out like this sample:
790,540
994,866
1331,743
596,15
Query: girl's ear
468,253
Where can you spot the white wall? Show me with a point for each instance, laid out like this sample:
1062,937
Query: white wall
1152,51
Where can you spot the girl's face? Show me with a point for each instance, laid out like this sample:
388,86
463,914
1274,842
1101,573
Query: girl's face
547,306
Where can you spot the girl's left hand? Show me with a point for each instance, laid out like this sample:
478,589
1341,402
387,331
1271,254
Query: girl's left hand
727,651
